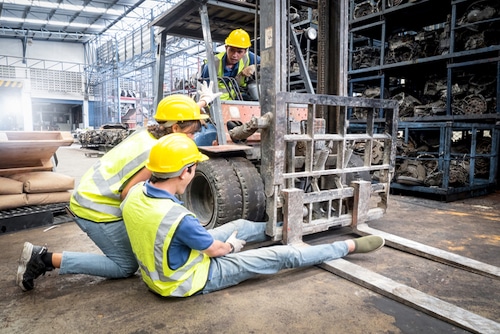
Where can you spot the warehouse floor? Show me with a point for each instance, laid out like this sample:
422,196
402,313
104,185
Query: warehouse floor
308,300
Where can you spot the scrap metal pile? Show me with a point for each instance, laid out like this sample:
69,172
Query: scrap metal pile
471,94
473,91
103,139
480,29
367,7
476,28
418,162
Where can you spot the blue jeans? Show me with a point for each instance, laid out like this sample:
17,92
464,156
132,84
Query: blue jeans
118,260
247,230
232,269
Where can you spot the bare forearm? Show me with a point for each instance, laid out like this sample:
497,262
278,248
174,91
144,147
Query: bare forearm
218,248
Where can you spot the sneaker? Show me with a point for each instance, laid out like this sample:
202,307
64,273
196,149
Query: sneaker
31,266
368,244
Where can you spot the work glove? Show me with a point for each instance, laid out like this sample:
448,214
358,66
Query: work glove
206,92
237,244
248,71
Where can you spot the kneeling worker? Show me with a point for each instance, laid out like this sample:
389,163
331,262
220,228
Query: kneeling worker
179,258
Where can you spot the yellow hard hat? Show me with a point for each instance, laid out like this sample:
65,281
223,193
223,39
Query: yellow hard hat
172,153
178,107
238,38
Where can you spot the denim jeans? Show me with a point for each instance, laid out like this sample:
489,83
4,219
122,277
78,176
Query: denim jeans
247,230
232,269
118,260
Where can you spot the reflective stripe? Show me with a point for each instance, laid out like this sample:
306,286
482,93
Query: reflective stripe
153,274
181,290
85,202
150,237
98,196
244,62
103,184
184,288
166,230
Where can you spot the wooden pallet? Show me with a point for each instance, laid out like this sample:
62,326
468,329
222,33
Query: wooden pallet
27,217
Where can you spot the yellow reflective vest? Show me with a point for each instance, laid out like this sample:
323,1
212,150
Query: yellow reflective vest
228,94
151,224
97,197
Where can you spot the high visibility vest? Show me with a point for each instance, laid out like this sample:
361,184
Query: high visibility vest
97,197
151,223
244,62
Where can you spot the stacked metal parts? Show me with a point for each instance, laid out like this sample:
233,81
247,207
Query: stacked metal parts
442,66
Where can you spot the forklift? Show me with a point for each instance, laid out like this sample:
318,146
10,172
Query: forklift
293,158
296,158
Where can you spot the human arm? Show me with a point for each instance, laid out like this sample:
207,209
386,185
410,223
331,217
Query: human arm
218,248
249,70
206,93
142,175
191,235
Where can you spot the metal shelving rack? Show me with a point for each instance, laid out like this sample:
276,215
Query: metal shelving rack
443,65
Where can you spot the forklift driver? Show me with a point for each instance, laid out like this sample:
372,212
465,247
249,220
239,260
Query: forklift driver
235,67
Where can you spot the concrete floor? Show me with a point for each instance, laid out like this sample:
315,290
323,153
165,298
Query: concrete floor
308,300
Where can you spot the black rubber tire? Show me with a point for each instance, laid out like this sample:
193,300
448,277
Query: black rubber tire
252,189
214,194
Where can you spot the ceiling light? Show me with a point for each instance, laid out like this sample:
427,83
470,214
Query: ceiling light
69,7
52,23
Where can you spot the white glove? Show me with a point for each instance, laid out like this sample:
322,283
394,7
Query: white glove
206,92
236,244
248,71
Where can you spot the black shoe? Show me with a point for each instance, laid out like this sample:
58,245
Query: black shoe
31,266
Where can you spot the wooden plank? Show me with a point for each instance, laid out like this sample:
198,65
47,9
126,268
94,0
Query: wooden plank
432,253
412,297
58,136
28,151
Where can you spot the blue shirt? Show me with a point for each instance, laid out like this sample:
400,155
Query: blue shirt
231,72
189,234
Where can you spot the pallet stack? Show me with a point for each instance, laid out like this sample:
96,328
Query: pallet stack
29,186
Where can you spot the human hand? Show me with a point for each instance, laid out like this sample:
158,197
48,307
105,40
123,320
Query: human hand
248,71
237,244
206,92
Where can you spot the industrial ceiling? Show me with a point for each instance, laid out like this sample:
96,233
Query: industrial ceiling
74,20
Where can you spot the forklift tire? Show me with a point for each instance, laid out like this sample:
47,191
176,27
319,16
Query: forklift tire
252,189
214,194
